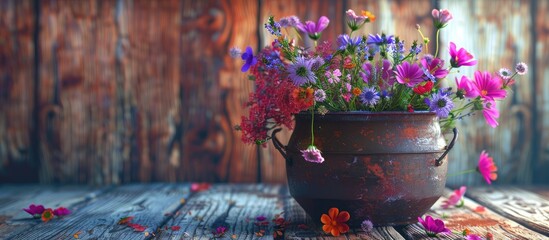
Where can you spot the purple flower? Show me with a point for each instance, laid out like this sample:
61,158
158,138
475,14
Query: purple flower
433,226
312,29
290,21
409,74
380,39
368,71
249,59
521,68
435,67
505,73
300,71
320,95
317,62
369,96
387,73
344,41
460,57
35,210
333,77
260,218
440,103
442,17
367,226
312,154
473,237
61,211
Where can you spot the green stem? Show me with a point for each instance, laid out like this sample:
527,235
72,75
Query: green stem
437,43
312,126
462,172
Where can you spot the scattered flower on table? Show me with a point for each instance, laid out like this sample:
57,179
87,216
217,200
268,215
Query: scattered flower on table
35,210
480,209
175,228
432,226
473,237
367,226
199,187
219,231
125,220
61,211
47,215
312,154
456,199
335,222
487,168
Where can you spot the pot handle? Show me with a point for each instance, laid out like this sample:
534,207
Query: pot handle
438,162
278,145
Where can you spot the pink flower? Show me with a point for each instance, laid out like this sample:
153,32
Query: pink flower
460,57
409,74
435,66
488,87
314,29
490,113
433,226
465,88
35,210
455,198
61,211
312,154
473,237
442,17
487,167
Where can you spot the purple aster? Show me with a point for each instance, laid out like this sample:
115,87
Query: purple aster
369,96
521,68
380,39
367,226
409,74
314,29
235,52
300,71
317,62
440,103
312,154
505,73
344,41
435,66
290,21
320,95
249,59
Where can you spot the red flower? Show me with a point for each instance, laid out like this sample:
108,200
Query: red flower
423,89
47,215
334,223
304,97
199,187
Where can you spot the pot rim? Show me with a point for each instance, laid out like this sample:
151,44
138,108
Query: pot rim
429,113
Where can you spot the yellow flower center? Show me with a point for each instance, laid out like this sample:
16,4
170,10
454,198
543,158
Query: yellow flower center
483,92
334,223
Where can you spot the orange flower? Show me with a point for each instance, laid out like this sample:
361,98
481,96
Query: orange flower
304,97
357,91
334,222
371,17
47,215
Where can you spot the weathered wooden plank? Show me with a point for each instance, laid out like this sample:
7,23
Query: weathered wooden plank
495,41
538,77
98,218
232,206
524,207
13,220
479,222
17,77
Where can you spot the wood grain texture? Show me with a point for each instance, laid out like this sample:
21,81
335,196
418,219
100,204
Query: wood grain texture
496,42
539,76
17,77
516,204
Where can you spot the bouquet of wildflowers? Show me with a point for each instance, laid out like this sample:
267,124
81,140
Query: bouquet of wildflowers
374,72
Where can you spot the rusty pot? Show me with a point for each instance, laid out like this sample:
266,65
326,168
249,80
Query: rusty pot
387,167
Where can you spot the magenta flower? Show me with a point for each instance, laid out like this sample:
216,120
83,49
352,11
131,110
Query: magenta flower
473,237
488,87
249,59
442,17
433,226
35,210
465,88
409,74
61,211
487,168
460,57
490,113
435,66
312,29
455,198
312,154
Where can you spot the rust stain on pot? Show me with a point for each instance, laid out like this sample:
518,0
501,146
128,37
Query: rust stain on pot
410,132
376,170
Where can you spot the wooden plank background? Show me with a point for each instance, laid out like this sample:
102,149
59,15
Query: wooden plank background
116,91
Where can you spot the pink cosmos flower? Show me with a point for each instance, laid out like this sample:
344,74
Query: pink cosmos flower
473,237
455,198
354,21
465,88
490,113
35,210
488,87
409,74
312,154
433,226
61,211
487,167
313,29
442,17
460,57
435,66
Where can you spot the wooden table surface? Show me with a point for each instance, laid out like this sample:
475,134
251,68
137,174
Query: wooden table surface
510,213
